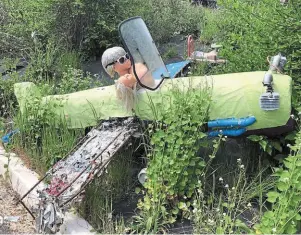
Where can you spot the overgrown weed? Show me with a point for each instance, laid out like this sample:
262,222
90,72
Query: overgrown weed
106,194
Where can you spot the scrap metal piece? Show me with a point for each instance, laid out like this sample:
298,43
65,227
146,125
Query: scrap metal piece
269,101
69,177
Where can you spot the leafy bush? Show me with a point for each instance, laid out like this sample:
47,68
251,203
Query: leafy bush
284,216
43,139
75,80
8,101
20,20
174,168
90,26
252,30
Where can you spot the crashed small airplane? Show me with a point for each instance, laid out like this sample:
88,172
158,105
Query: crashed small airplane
242,104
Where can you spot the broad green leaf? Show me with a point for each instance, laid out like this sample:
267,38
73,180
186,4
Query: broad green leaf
291,136
272,196
137,190
282,186
276,145
263,144
255,138
175,211
202,135
298,217
290,228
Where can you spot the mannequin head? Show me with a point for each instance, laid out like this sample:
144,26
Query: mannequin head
115,60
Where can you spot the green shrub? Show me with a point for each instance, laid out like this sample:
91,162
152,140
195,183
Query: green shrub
75,80
8,101
250,31
284,216
105,193
89,26
174,167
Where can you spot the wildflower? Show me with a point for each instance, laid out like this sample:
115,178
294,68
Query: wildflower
220,131
185,197
226,137
199,191
195,210
288,145
238,160
217,210
242,166
233,188
220,179
249,204
226,186
224,214
292,116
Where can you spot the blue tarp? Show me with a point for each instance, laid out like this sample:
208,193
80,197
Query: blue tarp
174,69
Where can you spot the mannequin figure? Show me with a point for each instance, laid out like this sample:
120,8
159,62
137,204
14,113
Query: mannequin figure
116,60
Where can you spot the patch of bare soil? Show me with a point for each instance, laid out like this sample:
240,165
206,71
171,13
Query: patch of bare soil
8,207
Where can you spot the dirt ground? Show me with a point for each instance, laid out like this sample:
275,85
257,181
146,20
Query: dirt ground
25,224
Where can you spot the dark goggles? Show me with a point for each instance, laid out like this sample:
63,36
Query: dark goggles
121,60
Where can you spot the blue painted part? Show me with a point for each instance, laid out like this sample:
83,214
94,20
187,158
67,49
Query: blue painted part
158,72
232,122
6,139
173,69
227,132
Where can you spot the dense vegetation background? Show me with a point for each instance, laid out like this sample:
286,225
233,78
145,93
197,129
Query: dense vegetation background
55,37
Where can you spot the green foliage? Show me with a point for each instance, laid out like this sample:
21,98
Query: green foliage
105,193
252,30
210,30
221,212
47,140
44,139
170,53
75,80
284,215
174,167
8,102
89,26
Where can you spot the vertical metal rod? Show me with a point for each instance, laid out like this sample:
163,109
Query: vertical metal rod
29,191
28,210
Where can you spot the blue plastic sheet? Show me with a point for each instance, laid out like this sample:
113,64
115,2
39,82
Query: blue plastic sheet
173,69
